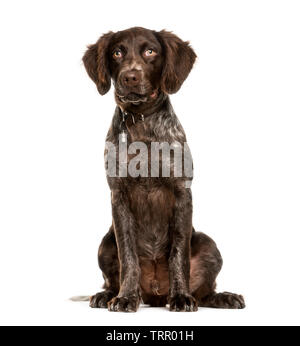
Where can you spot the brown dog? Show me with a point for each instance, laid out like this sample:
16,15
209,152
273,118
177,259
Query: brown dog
151,251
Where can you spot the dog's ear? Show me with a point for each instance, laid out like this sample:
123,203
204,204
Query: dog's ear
96,63
179,60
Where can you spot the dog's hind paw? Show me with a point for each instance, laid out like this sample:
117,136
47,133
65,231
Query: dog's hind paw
225,300
101,299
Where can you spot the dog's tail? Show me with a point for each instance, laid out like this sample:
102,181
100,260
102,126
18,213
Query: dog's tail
80,299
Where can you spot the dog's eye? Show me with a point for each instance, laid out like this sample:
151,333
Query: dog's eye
149,52
117,54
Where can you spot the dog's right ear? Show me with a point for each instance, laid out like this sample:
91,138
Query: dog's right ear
96,63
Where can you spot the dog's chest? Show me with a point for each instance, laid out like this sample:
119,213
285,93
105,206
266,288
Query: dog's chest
152,208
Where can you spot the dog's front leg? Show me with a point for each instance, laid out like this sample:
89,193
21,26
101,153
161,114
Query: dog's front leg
180,298
129,296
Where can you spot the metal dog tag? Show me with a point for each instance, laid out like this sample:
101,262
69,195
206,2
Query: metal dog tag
123,137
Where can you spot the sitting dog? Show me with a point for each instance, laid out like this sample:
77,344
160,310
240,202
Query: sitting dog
151,252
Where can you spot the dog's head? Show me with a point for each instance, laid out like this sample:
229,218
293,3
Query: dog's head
140,62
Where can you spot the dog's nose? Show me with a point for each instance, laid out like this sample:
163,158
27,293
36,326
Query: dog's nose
131,78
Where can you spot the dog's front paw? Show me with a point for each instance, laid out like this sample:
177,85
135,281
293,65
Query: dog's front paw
183,302
124,303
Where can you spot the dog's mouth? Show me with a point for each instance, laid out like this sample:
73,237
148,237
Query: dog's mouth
133,98
136,98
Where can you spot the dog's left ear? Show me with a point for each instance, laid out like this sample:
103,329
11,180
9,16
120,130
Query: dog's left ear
96,63
179,60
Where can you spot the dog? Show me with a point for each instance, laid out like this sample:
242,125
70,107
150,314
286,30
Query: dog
151,253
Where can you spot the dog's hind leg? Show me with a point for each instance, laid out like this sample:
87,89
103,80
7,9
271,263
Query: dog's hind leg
206,263
109,264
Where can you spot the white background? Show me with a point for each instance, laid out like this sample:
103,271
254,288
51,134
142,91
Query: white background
240,109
